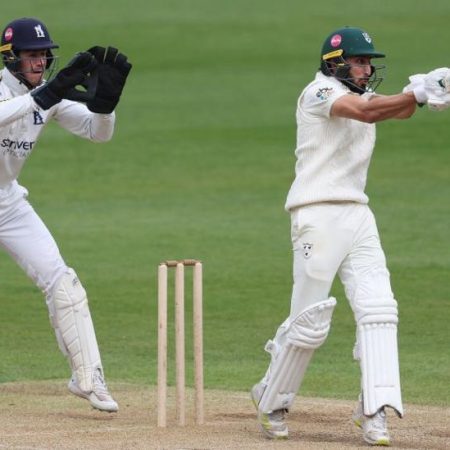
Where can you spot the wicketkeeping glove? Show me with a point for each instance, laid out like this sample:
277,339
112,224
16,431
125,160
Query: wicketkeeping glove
113,69
66,79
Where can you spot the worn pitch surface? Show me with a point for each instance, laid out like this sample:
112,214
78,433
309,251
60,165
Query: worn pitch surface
43,415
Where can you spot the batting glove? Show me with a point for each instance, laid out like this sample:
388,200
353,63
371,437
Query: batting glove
432,88
113,70
66,79
417,87
437,85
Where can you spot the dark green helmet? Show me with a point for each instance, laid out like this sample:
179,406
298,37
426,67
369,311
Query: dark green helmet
345,42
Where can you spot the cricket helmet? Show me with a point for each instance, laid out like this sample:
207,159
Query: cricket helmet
25,34
343,43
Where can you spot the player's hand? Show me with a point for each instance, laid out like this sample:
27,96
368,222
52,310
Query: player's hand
416,81
113,70
432,88
66,79
439,104
437,86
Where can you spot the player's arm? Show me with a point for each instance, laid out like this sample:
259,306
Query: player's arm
375,108
15,108
78,120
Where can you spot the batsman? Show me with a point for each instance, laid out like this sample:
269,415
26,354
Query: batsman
334,232
81,98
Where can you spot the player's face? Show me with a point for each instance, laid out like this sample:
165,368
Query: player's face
32,65
360,70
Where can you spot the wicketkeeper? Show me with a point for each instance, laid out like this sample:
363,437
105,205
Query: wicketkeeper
27,102
334,232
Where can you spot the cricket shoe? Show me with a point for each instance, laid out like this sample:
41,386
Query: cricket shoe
374,427
272,424
99,397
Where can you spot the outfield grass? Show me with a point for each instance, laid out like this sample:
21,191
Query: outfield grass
200,166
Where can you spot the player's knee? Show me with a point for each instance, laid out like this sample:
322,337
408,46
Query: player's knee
373,300
307,292
69,291
377,311
311,327
46,275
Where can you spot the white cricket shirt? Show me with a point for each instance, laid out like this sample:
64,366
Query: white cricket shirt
333,153
21,123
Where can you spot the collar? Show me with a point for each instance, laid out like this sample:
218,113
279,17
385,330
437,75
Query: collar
15,85
321,77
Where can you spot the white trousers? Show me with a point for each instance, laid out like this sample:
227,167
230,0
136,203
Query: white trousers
332,239
342,239
25,237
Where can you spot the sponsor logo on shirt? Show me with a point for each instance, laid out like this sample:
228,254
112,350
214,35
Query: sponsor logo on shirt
324,93
19,149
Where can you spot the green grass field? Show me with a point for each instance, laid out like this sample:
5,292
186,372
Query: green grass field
200,165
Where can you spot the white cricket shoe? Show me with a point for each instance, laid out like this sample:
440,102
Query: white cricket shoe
99,397
374,427
272,424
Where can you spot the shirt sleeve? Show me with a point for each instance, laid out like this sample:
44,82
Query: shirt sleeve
76,118
318,98
15,108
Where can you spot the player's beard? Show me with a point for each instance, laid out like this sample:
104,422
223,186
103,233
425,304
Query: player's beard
362,83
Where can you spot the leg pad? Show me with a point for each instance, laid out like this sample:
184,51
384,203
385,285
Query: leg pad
306,332
377,352
71,319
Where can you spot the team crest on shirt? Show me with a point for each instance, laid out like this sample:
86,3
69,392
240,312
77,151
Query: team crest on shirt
307,250
324,93
38,120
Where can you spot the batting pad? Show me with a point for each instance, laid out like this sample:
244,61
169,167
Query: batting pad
71,318
306,332
378,354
